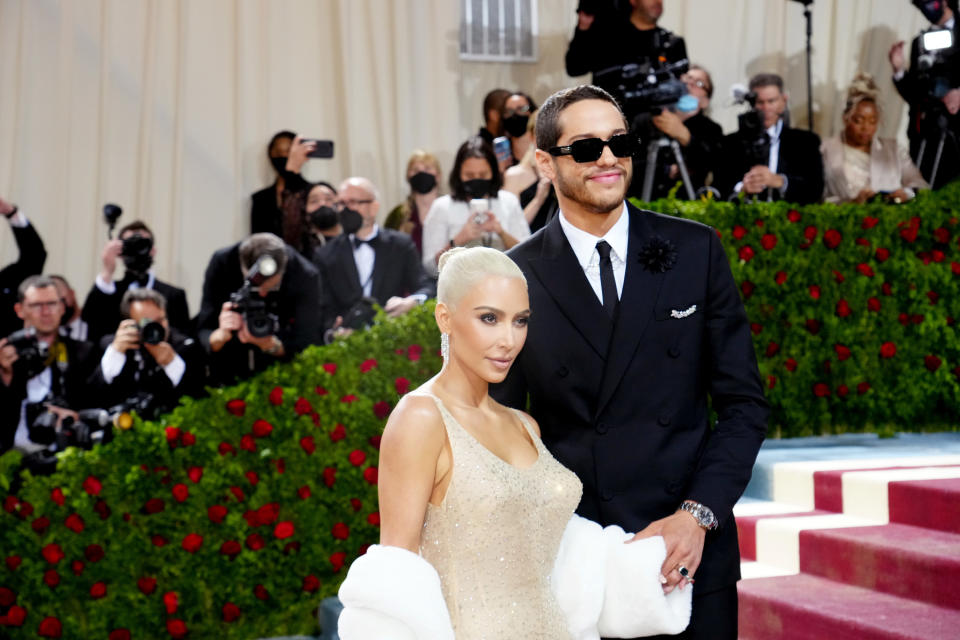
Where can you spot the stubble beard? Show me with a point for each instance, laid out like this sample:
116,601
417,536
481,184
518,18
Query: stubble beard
579,192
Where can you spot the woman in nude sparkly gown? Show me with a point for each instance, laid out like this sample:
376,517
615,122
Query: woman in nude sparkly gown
466,485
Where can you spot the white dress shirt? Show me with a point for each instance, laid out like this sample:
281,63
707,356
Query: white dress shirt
112,362
364,256
584,246
37,389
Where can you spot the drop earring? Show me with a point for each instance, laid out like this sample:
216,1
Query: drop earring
445,346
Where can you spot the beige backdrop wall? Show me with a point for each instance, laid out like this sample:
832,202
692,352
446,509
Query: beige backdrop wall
165,106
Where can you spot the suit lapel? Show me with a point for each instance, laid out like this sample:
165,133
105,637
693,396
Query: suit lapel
380,260
564,281
637,303
348,267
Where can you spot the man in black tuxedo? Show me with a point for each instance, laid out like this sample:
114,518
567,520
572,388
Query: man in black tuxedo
368,261
30,262
636,321
139,360
791,169
291,292
101,310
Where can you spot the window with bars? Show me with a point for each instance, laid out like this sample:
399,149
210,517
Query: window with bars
498,30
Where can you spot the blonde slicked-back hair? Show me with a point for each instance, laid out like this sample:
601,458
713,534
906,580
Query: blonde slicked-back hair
462,268
862,89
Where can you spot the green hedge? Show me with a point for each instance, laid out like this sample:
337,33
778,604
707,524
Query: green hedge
236,514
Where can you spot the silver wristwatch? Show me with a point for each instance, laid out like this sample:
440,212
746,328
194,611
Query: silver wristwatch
702,513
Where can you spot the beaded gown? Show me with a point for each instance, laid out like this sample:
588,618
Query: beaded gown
495,537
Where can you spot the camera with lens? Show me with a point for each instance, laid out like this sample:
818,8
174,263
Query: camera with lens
31,352
89,428
151,331
753,135
248,302
645,88
136,252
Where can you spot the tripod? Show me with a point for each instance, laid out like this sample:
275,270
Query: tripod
653,149
945,133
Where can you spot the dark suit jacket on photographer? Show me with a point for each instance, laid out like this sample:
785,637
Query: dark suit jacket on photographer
74,386
297,304
396,271
29,262
799,160
142,374
702,156
101,311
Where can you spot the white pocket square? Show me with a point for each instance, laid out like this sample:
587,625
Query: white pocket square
685,313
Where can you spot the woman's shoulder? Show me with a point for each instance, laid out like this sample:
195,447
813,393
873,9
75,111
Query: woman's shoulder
507,199
415,421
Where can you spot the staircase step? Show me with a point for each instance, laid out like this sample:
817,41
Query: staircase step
866,493
900,560
804,607
747,515
828,485
934,504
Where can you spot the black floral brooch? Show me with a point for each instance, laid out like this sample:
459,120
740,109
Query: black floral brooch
658,255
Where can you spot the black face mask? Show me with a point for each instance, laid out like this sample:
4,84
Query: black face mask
350,220
932,10
477,188
422,182
323,218
516,125
279,164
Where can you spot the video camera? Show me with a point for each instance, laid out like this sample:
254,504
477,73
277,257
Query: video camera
645,87
260,322
753,135
31,353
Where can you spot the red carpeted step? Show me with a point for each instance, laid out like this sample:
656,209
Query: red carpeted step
934,504
804,607
901,560
747,529
828,485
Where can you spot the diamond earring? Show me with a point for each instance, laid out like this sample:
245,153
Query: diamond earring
445,346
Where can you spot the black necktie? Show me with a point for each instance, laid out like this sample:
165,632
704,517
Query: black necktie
608,285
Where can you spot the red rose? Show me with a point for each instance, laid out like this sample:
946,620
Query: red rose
738,232
10,504
171,602
180,492
102,509
793,215
843,390
195,473
158,541
882,254
367,364
252,477
153,505
814,292
311,583
304,492
813,326
329,476
230,548
941,235
771,382
370,475
238,494
50,577
832,238
173,435
869,223
217,513
50,627
283,530
768,241
315,417
192,543
98,590
92,485
13,562
247,443
230,612
281,465
187,439
925,256
938,256
756,328
7,596
77,567
330,368
780,277
873,304
863,242
237,407
886,289
225,447
56,495
917,318
93,553
40,524
838,277
746,253
74,522
909,234
24,509
374,441
374,518
888,350
320,391
747,288
772,349
933,297
338,433
413,352
255,542
821,390
932,363
357,457
261,429
347,399
268,513
356,504
276,396
307,444
302,406
843,352
843,308
261,592
291,547
903,319
402,385
955,268
865,270
341,531
176,628
15,616
337,559
119,634
147,585
381,409
790,364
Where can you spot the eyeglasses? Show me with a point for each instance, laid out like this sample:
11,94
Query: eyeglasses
697,83
352,204
521,111
622,145
37,306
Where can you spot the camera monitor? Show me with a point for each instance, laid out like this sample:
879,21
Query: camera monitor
937,40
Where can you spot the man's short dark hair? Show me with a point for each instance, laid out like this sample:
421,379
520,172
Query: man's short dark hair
260,244
136,225
324,183
141,294
280,135
474,147
493,101
37,282
548,118
766,80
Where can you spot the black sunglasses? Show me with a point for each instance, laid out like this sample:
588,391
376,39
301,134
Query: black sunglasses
622,145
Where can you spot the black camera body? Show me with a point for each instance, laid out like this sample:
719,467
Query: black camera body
254,308
753,135
31,352
151,332
645,88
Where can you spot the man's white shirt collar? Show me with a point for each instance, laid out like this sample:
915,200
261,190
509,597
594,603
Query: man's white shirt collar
584,244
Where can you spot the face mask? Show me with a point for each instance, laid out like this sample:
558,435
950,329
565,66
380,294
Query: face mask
478,188
516,125
323,218
279,164
422,182
687,104
350,220
932,10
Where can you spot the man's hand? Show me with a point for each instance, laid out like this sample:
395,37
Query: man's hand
952,101
111,251
62,413
266,343
5,207
897,60
759,178
670,123
228,322
865,194
684,541
127,337
8,355
298,154
397,306
162,352
899,196
584,20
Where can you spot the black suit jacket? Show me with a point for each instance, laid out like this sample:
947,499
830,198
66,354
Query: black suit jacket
29,262
101,311
624,404
297,304
397,271
265,215
799,160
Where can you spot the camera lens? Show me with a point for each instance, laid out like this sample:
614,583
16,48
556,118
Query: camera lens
152,332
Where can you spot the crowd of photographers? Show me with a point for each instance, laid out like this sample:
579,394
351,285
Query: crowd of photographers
317,262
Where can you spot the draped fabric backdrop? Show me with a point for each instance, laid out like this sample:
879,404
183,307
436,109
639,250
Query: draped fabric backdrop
165,106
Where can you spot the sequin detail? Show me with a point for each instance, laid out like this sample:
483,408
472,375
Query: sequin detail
494,539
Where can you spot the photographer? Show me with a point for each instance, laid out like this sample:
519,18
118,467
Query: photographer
269,318
40,370
147,363
931,87
789,166
134,245
29,262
